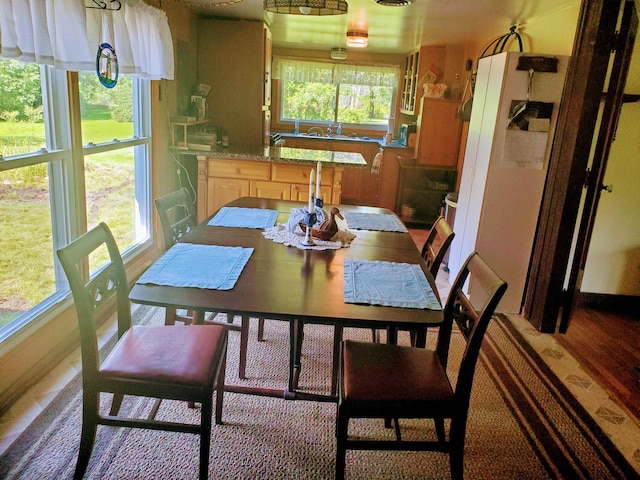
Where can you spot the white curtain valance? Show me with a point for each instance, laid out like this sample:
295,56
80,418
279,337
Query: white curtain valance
66,35
324,72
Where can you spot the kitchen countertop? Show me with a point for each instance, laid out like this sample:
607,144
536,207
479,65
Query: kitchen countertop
345,138
291,155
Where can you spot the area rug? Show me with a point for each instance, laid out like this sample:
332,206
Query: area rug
523,424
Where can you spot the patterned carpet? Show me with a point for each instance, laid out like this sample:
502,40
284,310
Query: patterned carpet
523,424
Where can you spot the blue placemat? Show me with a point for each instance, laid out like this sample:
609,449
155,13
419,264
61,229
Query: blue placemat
244,217
201,266
374,221
388,283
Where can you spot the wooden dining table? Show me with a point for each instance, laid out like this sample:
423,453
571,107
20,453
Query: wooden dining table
297,285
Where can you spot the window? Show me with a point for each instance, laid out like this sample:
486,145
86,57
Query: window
39,183
336,93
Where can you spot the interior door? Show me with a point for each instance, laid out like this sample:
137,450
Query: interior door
606,135
596,37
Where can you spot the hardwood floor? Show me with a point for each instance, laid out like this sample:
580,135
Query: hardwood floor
606,342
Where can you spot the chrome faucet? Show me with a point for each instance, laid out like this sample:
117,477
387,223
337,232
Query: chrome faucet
330,129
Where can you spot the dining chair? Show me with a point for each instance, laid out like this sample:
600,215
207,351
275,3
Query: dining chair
177,218
389,381
175,363
433,252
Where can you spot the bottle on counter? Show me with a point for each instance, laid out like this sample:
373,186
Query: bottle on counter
339,129
296,127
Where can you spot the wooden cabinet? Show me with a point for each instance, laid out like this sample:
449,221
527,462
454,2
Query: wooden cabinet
419,65
421,192
221,180
410,82
389,173
438,133
234,58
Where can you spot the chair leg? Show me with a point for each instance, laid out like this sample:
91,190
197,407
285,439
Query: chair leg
456,445
219,388
205,437
90,407
116,403
261,329
439,423
170,316
375,335
342,430
244,342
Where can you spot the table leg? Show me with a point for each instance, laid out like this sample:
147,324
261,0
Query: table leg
244,343
337,339
294,354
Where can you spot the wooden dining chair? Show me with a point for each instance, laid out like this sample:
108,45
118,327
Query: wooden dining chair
433,252
176,362
177,218
387,381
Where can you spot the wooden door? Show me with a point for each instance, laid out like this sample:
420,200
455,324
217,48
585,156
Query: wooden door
606,134
596,38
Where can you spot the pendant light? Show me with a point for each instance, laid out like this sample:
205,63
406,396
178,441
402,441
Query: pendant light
307,7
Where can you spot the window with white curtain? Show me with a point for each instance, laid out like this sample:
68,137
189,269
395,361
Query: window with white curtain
49,192
319,92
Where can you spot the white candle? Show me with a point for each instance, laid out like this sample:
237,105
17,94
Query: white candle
318,180
311,210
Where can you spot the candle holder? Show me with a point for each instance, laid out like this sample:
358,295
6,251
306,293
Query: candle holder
309,221
319,203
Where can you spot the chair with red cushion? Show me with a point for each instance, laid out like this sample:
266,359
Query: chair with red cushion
178,218
176,363
387,381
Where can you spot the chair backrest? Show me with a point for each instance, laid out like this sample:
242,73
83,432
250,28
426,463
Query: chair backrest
472,316
437,244
93,293
177,216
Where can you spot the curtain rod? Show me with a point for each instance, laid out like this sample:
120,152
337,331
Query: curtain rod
103,5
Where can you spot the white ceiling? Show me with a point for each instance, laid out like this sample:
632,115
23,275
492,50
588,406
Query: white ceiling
392,29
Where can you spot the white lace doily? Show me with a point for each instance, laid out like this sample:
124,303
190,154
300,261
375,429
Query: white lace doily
280,234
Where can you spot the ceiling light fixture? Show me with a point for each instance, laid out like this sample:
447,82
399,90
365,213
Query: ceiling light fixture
339,53
306,7
357,39
394,3
209,3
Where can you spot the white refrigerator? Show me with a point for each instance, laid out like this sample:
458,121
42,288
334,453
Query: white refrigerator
505,167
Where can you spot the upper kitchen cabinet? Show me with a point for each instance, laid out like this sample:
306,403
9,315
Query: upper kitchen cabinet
234,58
438,132
421,65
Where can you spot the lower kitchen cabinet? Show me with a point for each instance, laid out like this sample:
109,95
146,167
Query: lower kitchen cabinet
421,192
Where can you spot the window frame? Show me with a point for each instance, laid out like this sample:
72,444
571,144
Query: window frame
353,126
60,97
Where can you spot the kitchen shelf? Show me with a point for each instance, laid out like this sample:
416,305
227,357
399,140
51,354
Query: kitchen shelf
421,192
178,140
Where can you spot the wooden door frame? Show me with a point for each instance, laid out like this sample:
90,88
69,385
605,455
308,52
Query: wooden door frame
595,38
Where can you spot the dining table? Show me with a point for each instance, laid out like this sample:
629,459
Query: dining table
299,284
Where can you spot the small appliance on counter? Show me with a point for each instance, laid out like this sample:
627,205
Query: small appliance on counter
407,135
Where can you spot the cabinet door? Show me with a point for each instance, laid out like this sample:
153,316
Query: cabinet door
300,193
438,133
278,191
225,190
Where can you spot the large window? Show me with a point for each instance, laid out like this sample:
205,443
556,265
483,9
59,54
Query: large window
42,178
336,93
